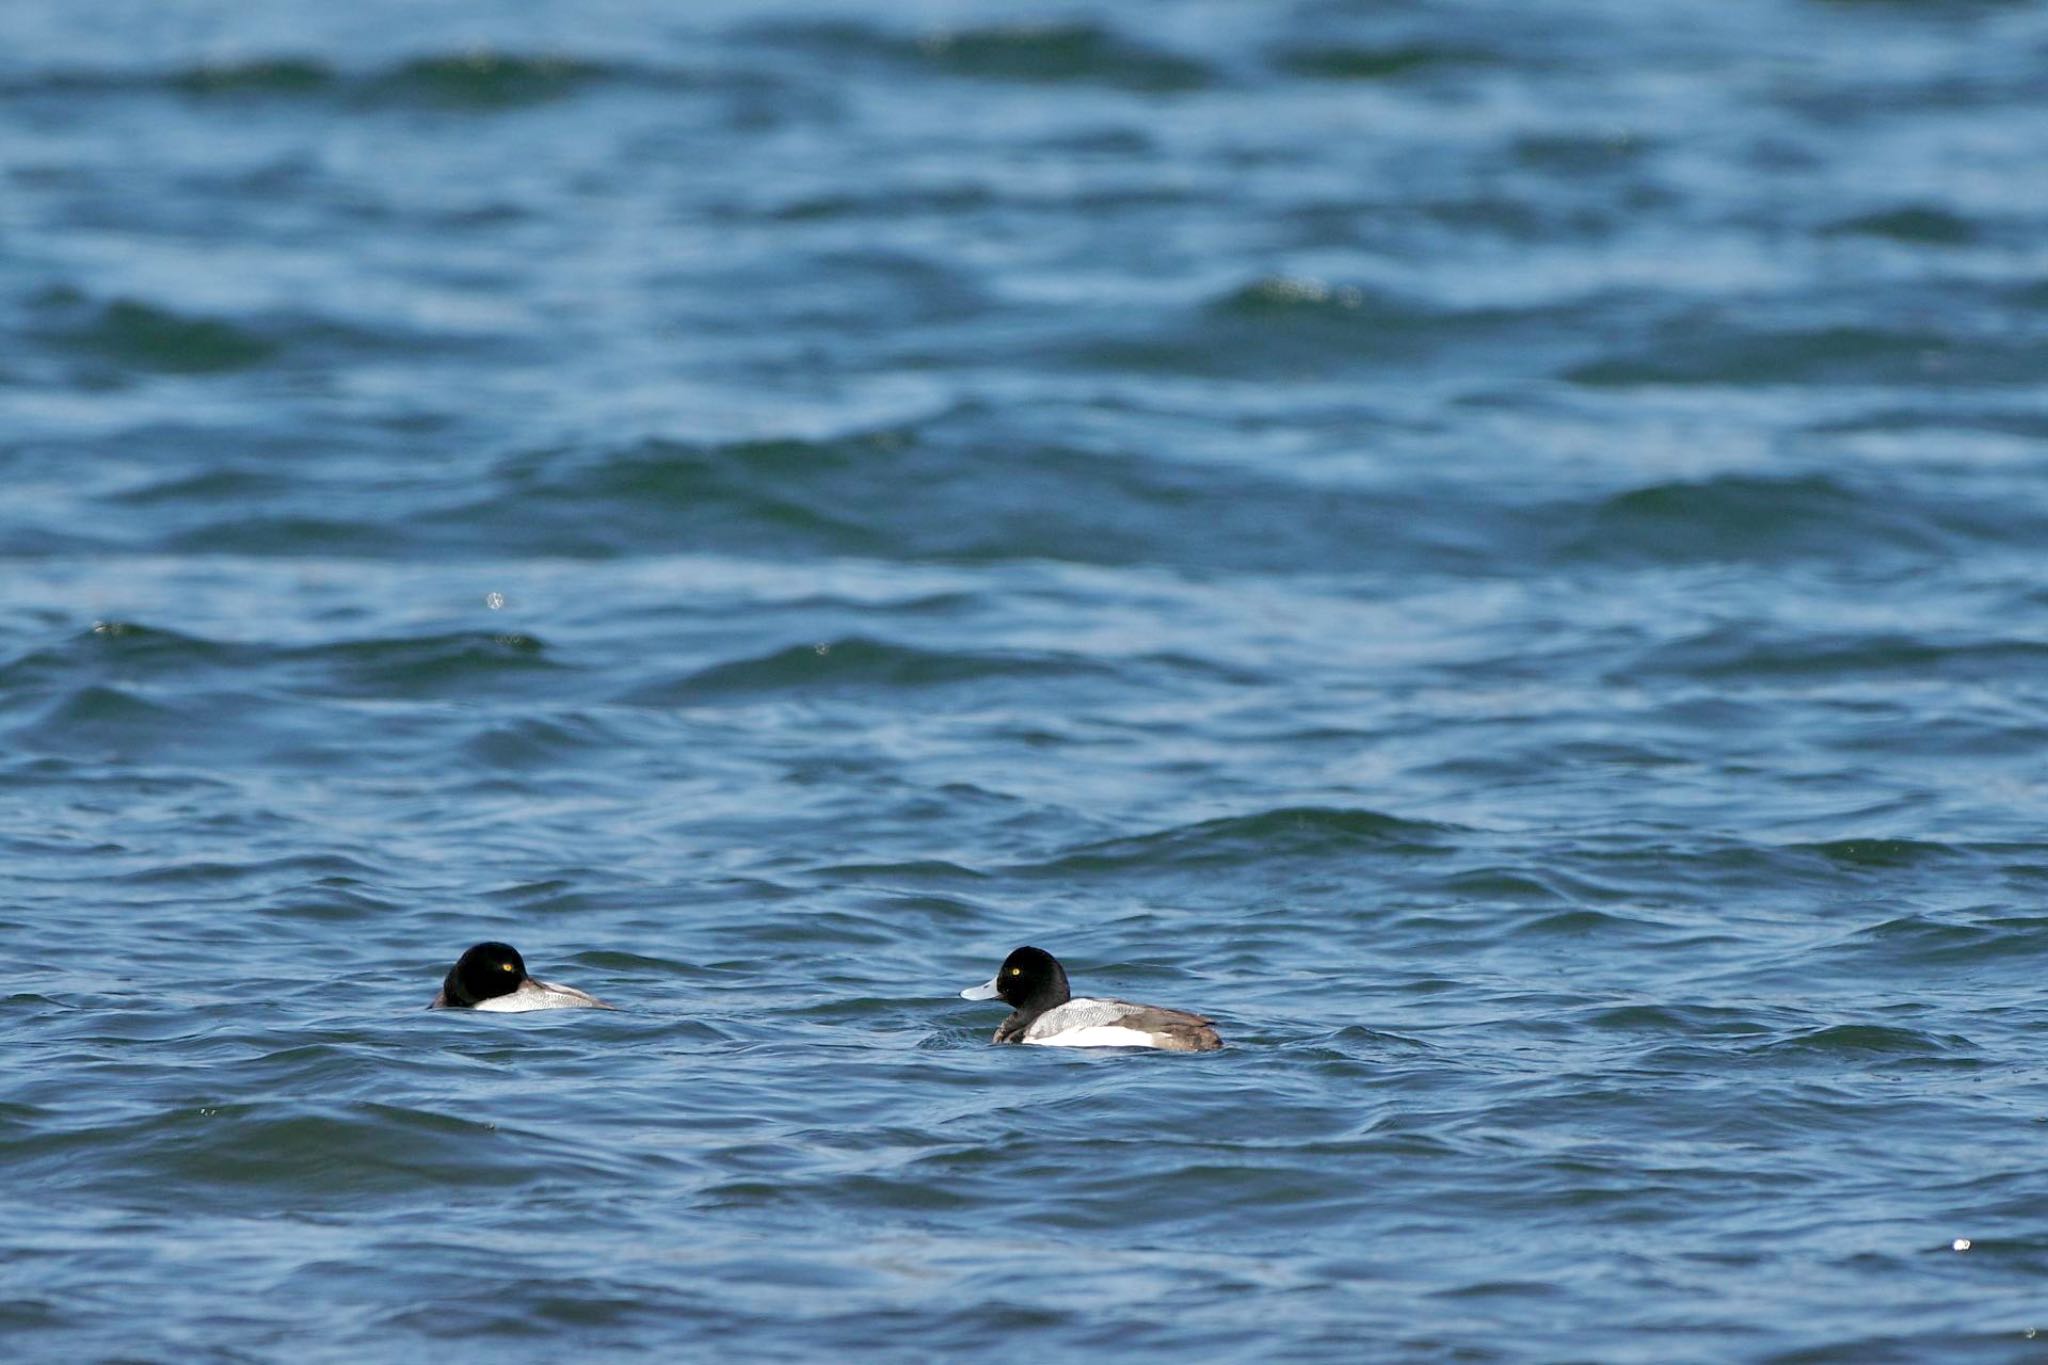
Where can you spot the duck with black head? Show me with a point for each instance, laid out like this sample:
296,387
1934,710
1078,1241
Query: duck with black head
492,977
1046,1013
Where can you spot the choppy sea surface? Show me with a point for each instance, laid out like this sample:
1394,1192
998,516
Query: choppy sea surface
1499,548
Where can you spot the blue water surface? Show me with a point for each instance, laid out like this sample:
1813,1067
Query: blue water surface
1496,547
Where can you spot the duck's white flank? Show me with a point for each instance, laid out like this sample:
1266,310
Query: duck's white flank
532,994
1100,1035
1088,1022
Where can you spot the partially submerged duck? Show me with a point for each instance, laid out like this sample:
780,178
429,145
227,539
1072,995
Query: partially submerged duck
1048,1014
492,976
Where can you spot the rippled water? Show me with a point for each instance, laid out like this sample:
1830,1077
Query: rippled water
1495,548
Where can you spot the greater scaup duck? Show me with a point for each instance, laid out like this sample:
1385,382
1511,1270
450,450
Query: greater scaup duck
492,976
1032,981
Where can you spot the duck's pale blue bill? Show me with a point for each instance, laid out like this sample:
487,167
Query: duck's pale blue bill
985,991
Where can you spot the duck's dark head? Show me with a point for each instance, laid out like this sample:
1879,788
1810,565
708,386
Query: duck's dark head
1029,979
485,972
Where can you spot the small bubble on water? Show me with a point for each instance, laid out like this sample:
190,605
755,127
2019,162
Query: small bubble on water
495,601
1959,1244
823,648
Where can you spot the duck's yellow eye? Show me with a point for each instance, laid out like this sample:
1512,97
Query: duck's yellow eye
504,966
1016,971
